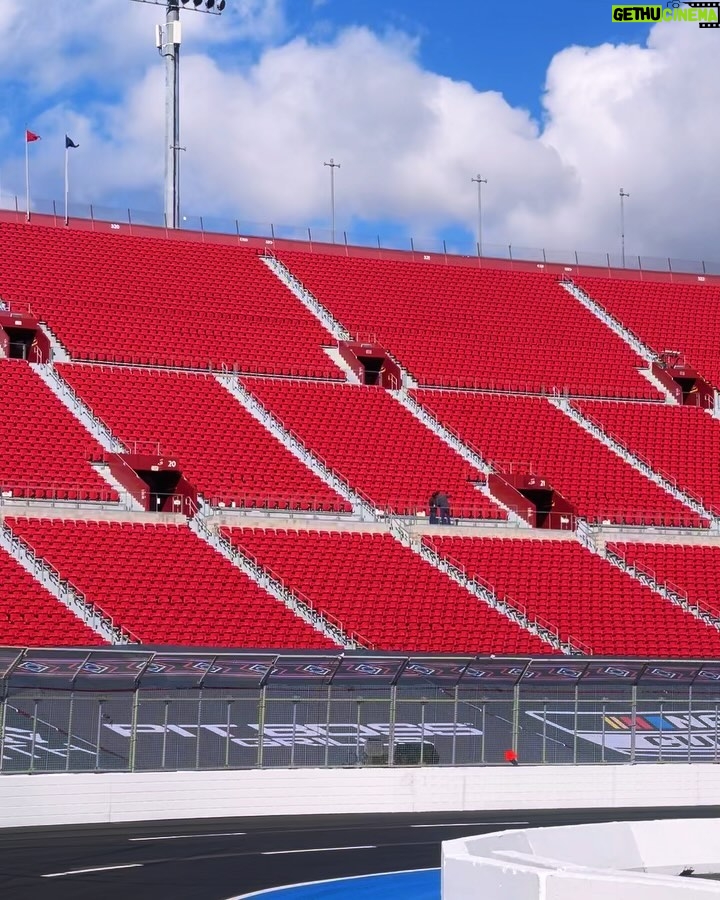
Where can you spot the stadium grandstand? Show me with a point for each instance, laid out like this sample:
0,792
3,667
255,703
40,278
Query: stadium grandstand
182,422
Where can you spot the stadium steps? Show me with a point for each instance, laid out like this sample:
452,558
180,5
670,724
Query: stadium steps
616,326
307,299
361,507
484,593
324,316
63,590
82,412
564,404
92,423
456,444
60,353
669,591
293,600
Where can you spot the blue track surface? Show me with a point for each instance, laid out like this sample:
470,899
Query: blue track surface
423,885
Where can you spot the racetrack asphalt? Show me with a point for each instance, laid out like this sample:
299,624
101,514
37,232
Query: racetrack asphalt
215,859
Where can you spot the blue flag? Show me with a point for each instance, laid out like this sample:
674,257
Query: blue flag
69,142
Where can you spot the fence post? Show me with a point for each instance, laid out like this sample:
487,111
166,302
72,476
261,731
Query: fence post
133,730
690,717
455,723
328,710
197,733
227,732
261,724
633,722
516,717
3,713
575,726
34,734
391,730
69,730
166,717
99,733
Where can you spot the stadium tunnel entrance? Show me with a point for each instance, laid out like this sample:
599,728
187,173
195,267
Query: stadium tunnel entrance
22,338
687,386
371,364
535,500
155,482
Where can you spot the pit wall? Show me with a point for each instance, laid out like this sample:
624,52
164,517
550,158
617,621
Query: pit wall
622,860
57,799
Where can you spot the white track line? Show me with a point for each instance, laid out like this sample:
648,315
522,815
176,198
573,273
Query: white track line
97,869
180,837
319,850
466,824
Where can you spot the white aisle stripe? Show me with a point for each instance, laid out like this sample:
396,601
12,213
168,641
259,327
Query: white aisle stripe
319,850
189,837
96,869
466,824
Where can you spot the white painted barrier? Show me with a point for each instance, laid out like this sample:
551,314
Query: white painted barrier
57,799
622,860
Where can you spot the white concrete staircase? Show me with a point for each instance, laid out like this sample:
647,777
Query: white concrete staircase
564,405
82,412
308,300
293,600
60,352
623,332
92,424
323,315
667,591
362,508
456,444
482,592
65,592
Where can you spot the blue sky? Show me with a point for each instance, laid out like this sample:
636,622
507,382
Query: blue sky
554,103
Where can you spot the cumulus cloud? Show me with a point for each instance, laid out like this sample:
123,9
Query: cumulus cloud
408,140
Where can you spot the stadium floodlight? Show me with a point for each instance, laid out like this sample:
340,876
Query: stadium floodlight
480,182
167,41
333,165
623,195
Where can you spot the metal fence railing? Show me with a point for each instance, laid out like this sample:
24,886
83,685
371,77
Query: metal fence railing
130,709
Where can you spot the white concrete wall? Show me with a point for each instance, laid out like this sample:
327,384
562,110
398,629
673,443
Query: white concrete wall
585,861
59,798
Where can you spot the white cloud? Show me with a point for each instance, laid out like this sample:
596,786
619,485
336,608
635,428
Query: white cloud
408,140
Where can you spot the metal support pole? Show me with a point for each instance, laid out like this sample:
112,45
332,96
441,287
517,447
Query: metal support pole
133,731
3,714
166,718
480,182
391,730
516,717
171,52
261,725
34,735
99,733
228,718
294,732
623,195
328,711
455,724
69,731
332,165
633,723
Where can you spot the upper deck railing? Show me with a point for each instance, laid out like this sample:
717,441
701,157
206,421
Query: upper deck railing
360,242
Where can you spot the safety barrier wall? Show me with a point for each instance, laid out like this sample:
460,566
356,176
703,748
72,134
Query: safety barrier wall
630,859
142,796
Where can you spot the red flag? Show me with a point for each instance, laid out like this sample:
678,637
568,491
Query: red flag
30,136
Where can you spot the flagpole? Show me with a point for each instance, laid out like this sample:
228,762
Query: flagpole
27,179
66,182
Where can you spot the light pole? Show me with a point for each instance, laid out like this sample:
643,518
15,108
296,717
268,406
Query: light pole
167,41
623,195
480,182
332,165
